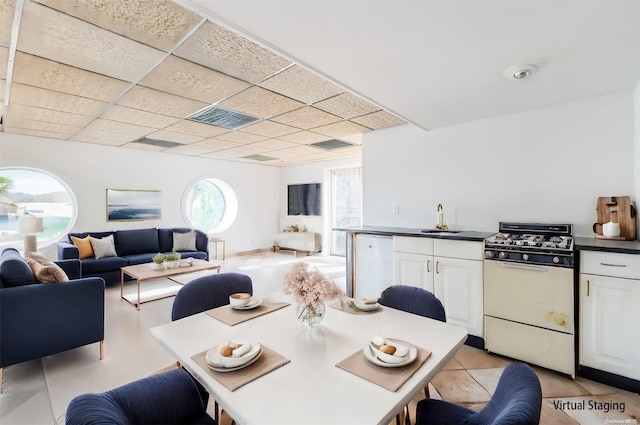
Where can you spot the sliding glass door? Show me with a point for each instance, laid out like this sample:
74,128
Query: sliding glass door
346,205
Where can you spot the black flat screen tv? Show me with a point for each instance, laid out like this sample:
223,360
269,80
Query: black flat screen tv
304,199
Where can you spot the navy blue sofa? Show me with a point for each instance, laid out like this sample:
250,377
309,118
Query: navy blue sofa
133,247
40,319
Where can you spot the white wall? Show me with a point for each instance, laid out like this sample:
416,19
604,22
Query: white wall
318,172
90,169
545,165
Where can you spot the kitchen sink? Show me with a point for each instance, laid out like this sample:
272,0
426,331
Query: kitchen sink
438,232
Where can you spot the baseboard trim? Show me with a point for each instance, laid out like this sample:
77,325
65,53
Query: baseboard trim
250,252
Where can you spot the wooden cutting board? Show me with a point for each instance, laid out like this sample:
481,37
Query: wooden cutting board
618,209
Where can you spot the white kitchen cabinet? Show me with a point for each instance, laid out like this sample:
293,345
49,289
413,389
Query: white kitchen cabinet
451,269
609,323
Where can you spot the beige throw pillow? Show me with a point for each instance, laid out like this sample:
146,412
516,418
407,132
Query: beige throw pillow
84,247
184,241
104,247
44,270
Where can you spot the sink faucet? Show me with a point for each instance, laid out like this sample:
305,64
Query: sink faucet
441,224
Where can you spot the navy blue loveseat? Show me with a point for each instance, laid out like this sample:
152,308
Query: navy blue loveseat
40,319
132,247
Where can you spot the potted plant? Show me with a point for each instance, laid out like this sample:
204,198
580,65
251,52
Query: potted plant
171,260
158,261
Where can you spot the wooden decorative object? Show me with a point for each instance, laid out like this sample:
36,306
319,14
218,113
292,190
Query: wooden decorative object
617,209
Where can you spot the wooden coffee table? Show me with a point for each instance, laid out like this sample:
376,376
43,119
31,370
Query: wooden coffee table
142,272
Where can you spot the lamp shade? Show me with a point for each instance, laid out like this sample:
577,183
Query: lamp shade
28,224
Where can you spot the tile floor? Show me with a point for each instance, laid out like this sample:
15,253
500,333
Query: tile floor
37,392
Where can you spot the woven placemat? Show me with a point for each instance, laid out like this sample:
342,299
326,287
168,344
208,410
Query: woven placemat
231,316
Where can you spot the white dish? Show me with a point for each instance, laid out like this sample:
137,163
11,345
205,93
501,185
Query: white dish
360,305
231,369
215,359
255,302
370,354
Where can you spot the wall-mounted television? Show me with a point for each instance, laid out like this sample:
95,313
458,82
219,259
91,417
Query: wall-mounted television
304,199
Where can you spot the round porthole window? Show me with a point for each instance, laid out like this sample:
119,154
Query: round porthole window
210,205
33,193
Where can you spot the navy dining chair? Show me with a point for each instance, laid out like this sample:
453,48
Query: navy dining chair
516,401
209,292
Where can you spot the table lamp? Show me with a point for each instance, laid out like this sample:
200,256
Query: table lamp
29,225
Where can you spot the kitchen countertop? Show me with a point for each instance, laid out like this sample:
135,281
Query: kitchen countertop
608,245
463,235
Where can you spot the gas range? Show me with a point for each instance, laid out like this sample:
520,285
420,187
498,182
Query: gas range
532,243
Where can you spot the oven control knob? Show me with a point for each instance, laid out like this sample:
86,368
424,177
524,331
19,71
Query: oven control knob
488,254
525,257
502,255
556,260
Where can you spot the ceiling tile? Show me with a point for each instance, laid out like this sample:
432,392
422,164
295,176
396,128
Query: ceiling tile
261,103
301,150
143,147
34,96
7,10
304,137
340,129
159,102
3,85
30,124
225,154
157,23
38,133
101,137
187,79
174,137
347,105
48,115
196,128
188,150
129,131
300,84
4,58
215,145
273,144
378,120
54,35
218,48
306,118
44,73
240,137
269,129
136,116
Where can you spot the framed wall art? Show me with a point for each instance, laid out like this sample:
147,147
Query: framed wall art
133,205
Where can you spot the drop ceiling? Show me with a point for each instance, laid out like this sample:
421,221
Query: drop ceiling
135,74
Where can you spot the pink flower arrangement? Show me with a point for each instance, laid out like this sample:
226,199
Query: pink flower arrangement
309,286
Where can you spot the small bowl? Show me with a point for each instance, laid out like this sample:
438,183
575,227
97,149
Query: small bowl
239,299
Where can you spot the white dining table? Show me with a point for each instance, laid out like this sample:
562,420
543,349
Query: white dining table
311,389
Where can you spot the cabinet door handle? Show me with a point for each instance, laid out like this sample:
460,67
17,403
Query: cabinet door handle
428,266
437,267
588,287
613,265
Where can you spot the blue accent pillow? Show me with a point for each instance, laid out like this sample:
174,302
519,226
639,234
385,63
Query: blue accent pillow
14,269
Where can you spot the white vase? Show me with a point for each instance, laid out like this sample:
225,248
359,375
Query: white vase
171,264
309,315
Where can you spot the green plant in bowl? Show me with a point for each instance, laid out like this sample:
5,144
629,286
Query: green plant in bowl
158,258
172,256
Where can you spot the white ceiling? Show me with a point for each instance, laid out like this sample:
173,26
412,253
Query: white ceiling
439,63
112,72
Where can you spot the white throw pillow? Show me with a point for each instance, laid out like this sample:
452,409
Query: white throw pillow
184,241
104,247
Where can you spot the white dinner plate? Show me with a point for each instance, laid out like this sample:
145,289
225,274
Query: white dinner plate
255,302
360,305
231,369
214,359
370,355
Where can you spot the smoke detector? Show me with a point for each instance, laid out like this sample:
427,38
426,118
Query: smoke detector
519,72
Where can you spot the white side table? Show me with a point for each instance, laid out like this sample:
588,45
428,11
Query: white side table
215,242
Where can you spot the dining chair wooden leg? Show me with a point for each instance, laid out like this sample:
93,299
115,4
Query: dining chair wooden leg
426,391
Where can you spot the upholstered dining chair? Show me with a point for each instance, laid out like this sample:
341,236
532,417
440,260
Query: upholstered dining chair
516,401
208,292
172,397
417,301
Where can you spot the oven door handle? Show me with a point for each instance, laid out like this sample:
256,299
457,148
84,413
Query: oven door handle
525,267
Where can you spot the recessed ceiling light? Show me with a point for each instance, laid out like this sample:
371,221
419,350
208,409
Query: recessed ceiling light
519,72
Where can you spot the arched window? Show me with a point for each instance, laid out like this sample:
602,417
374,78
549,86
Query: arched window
210,205
34,192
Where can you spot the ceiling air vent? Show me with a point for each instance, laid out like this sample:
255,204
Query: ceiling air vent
331,144
222,117
156,142
259,157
